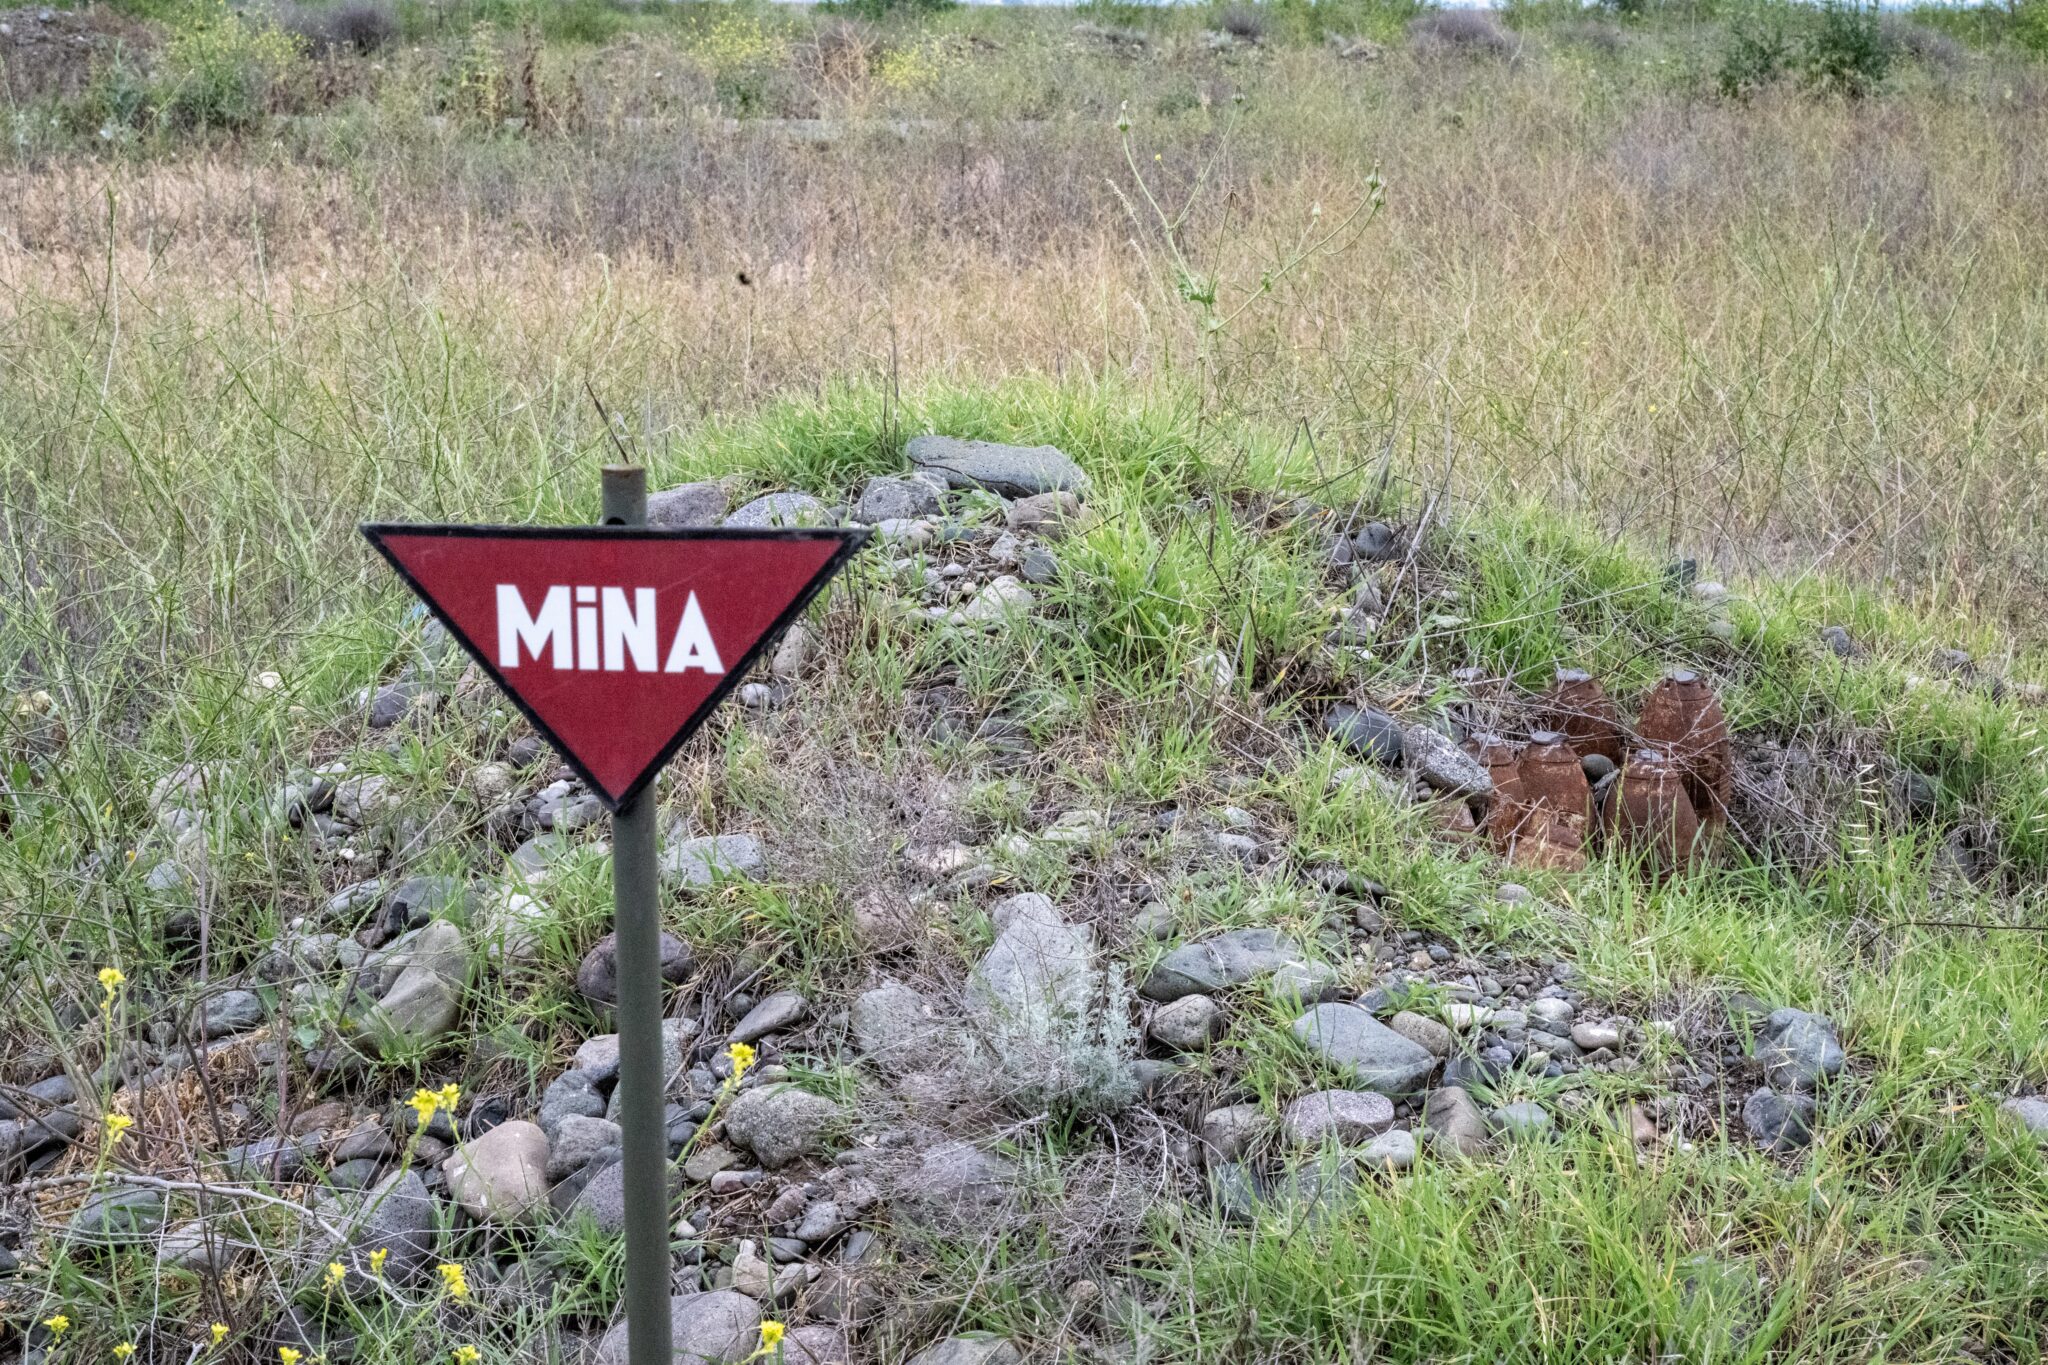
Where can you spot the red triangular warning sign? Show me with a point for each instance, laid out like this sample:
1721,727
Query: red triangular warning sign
616,642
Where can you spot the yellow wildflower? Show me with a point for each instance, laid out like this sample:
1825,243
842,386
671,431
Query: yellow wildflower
124,1350
117,1128
742,1060
111,981
467,1355
336,1273
771,1335
425,1103
218,1332
377,1259
455,1281
290,1357
450,1095
58,1324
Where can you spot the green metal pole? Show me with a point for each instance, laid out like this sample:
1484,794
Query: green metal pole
637,915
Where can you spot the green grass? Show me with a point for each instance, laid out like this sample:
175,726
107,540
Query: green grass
1607,319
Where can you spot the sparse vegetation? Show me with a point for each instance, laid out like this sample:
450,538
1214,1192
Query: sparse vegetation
1702,337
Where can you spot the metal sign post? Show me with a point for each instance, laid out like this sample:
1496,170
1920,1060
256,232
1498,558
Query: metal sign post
636,913
617,641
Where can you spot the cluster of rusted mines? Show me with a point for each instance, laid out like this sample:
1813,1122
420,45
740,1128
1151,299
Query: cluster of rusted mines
1660,790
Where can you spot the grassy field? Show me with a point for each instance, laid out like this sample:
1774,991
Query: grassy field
1563,296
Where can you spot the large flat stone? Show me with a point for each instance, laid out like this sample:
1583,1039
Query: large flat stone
1217,964
1013,471
1381,1059
718,1328
689,504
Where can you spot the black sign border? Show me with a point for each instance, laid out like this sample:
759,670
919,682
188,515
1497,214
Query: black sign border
850,540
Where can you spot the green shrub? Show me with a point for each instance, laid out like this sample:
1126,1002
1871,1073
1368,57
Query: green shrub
1841,47
881,9
1846,48
2030,25
219,67
1758,54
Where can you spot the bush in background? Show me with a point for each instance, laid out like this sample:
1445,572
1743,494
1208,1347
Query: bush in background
2030,25
1840,47
1470,32
1846,50
219,68
1758,53
881,9
360,26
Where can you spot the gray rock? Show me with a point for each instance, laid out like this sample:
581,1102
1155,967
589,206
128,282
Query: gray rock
602,1199
781,509
1048,514
714,1328
1341,1116
1798,1050
816,1344
597,978
1593,1037
1838,640
1780,1123
1381,1059
1454,1121
365,800
886,499
705,861
1188,1024
501,1177
368,1142
576,1141
1312,1191
1001,599
792,656
1442,764
774,1014
389,703
397,1218
1232,1130
266,1159
974,1349
1234,1191
1217,964
1424,1032
118,1217
305,1331
823,1220
1038,971
512,927
2030,1114
194,1249
1038,565
532,859
1520,1122
1376,543
1556,1015
780,1124
1369,732
689,504
897,1029
573,1094
597,1057
952,1185
230,1012
1393,1151
1013,471
424,1002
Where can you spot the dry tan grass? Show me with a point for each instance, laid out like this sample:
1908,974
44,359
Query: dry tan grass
1787,334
